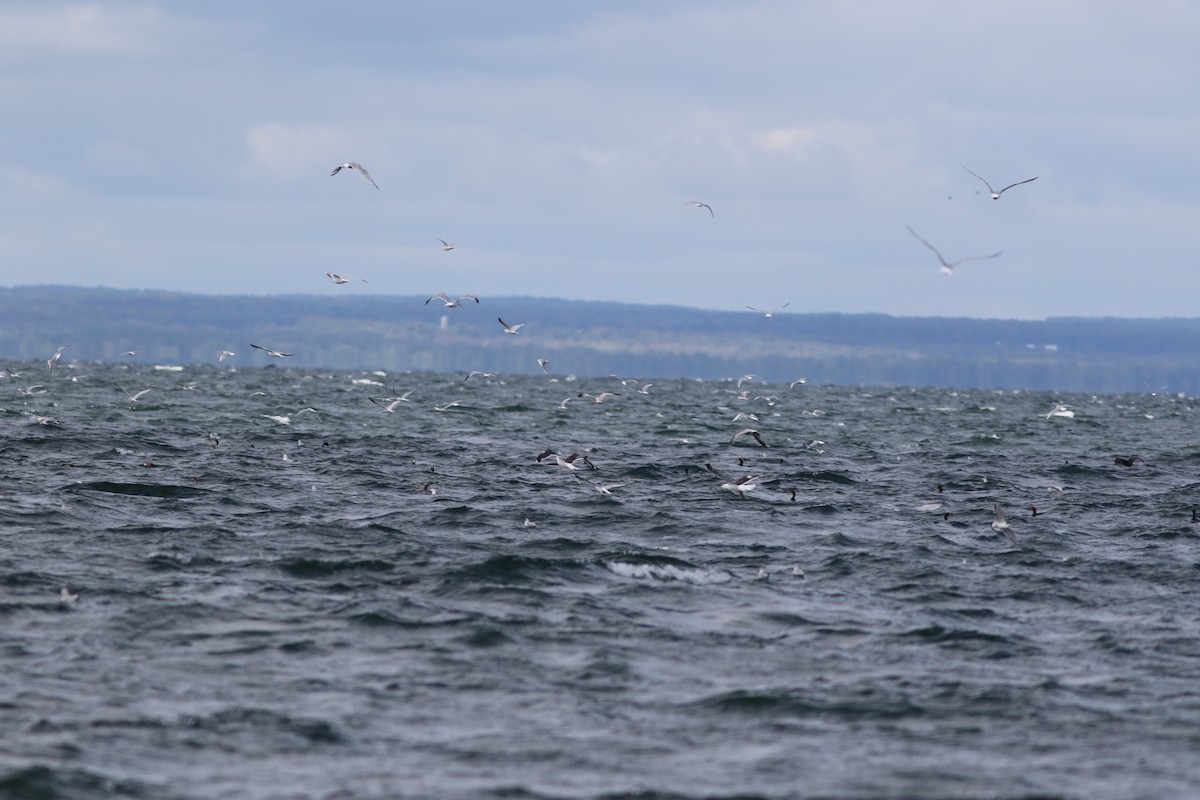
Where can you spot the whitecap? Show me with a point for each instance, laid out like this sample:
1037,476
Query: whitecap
668,572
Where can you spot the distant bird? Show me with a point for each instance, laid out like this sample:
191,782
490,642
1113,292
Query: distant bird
1153,392
770,313
475,372
65,596
994,193
947,266
1000,524
448,406
566,463
340,279
224,354
698,204
798,381
749,432
741,415
389,404
543,363
52,360
599,398
745,379
1127,462
271,353
133,396
742,485
451,303
602,489
213,439
446,246
528,523
513,329
357,167
1060,410
30,391
645,388
429,488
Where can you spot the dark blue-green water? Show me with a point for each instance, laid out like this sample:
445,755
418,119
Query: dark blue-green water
297,594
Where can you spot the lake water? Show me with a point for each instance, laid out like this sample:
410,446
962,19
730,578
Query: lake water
286,591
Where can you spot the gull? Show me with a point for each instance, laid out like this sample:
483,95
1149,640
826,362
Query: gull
1000,524
748,432
599,398
566,463
698,204
451,303
563,403
645,388
213,440
602,489
513,329
389,404
429,488
770,313
340,279
745,379
282,419
129,353
38,419
32,390
741,415
543,363
1153,392
746,483
797,382
65,596
271,353
769,399
354,165
133,396
994,193
948,267
446,246
625,381
52,360
224,354
528,523
475,372
448,406
1060,410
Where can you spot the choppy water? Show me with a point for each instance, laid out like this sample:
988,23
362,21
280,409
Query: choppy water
290,614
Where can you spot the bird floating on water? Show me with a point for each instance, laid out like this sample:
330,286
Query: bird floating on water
357,167
948,266
994,193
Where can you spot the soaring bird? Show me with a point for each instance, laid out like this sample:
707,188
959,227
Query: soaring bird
698,204
749,432
994,193
52,360
451,303
271,353
947,266
340,279
447,246
357,167
513,329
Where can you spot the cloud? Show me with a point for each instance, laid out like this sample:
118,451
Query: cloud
88,29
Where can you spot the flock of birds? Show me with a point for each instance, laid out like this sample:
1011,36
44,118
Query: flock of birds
575,462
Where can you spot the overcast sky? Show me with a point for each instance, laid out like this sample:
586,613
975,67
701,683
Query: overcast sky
187,146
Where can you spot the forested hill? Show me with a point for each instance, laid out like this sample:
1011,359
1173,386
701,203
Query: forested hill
594,338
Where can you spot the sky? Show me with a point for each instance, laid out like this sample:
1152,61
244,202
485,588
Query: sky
188,146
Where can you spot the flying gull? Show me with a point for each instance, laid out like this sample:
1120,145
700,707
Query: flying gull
52,360
447,246
698,204
948,267
224,354
1000,524
543,363
354,165
513,329
566,463
340,279
994,193
771,312
451,303
748,432
271,353
133,396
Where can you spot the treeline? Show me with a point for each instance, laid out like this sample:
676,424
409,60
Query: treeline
595,338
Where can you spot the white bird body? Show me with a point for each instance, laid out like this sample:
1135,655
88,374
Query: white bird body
455,303
513,329
357,167
340,279
698,204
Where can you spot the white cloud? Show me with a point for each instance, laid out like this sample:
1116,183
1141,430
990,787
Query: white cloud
89,29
